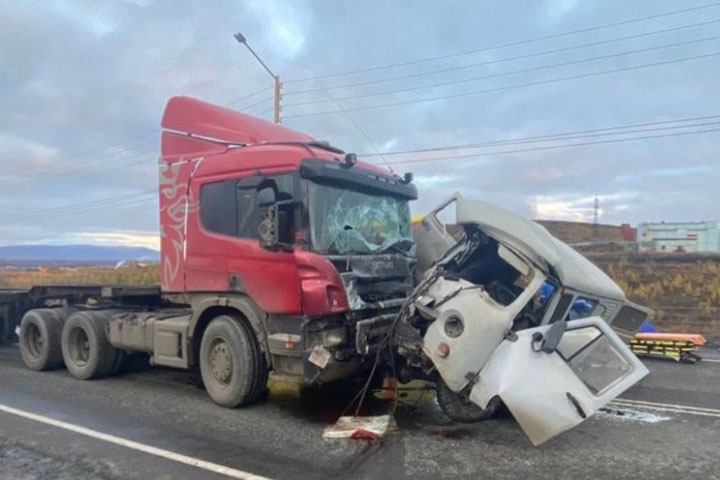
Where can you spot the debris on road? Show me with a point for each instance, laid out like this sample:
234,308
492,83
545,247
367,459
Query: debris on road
630,415
368,428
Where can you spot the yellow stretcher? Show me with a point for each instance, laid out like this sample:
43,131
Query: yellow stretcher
681,347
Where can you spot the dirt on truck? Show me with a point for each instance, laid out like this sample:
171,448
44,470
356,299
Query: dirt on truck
283,255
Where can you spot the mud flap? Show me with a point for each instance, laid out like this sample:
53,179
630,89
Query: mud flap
549,393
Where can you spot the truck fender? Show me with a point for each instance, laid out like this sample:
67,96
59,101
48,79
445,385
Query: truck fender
206,307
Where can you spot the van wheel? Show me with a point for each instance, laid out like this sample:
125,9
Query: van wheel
458,407
232,366
85,346
40,332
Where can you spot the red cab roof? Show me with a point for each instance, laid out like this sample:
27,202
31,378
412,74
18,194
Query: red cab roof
202,119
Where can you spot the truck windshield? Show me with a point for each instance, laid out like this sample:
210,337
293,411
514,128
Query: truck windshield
346,221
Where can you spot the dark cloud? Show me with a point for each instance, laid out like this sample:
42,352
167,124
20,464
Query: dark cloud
78,78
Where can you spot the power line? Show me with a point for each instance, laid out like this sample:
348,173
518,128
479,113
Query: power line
119,204
360,129
63,167
551,147
255,104
555,136
500,60
505,45
515,43
256,92
512,72
80,207
57,175
510,87
133,198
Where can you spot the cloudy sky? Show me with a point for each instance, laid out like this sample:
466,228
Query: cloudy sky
540,84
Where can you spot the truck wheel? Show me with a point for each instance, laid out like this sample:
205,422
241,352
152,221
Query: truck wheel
459,408
85,346
232,366
40,339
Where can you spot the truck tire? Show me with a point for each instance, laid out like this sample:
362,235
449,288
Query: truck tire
459,408
232,366
85,346
40,331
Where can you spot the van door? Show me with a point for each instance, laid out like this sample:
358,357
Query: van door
549,393
431,238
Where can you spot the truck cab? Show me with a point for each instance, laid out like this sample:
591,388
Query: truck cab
317,244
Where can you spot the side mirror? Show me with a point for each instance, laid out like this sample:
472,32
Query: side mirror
275,229
269,226
266,197
549,342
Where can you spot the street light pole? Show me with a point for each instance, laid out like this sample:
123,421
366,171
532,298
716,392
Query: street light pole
276,78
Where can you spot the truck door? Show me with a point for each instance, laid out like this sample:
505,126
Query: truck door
224,253
549,393
269,276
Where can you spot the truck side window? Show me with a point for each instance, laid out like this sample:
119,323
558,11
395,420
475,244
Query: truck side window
218,209
229,210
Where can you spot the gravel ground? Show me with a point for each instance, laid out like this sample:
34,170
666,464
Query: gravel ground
19,462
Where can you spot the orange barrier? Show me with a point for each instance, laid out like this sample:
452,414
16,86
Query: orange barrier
694,338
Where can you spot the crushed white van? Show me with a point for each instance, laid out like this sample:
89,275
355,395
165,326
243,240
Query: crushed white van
505,312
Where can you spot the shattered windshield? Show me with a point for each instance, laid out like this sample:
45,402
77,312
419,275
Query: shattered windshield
347,221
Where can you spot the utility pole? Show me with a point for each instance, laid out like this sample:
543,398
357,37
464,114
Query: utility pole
276,78
596,219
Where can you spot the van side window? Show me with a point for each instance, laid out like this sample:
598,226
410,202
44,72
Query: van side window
227,209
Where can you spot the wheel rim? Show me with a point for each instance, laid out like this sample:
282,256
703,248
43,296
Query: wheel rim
35,340
79,347
220,362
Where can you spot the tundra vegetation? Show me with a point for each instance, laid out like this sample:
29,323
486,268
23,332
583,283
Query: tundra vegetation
683,290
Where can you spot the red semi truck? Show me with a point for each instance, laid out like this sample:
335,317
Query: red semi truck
278,252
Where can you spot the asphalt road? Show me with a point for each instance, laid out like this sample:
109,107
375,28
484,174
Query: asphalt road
282,438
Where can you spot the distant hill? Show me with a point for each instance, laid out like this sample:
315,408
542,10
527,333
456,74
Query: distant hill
86,254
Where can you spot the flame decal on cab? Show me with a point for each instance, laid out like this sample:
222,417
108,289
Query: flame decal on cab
176,203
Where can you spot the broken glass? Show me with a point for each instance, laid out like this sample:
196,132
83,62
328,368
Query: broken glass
348,221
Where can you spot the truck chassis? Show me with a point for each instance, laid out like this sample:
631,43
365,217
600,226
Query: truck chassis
89,330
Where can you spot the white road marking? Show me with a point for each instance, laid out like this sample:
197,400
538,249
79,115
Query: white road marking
666,407
141,447
656,404
714,360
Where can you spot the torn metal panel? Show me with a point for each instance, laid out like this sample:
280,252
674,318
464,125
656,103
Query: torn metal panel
534,241
432,240
549,393
470,326
375,281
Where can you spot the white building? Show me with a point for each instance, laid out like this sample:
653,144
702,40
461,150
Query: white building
678,237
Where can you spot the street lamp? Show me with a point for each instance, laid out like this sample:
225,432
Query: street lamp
278,86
